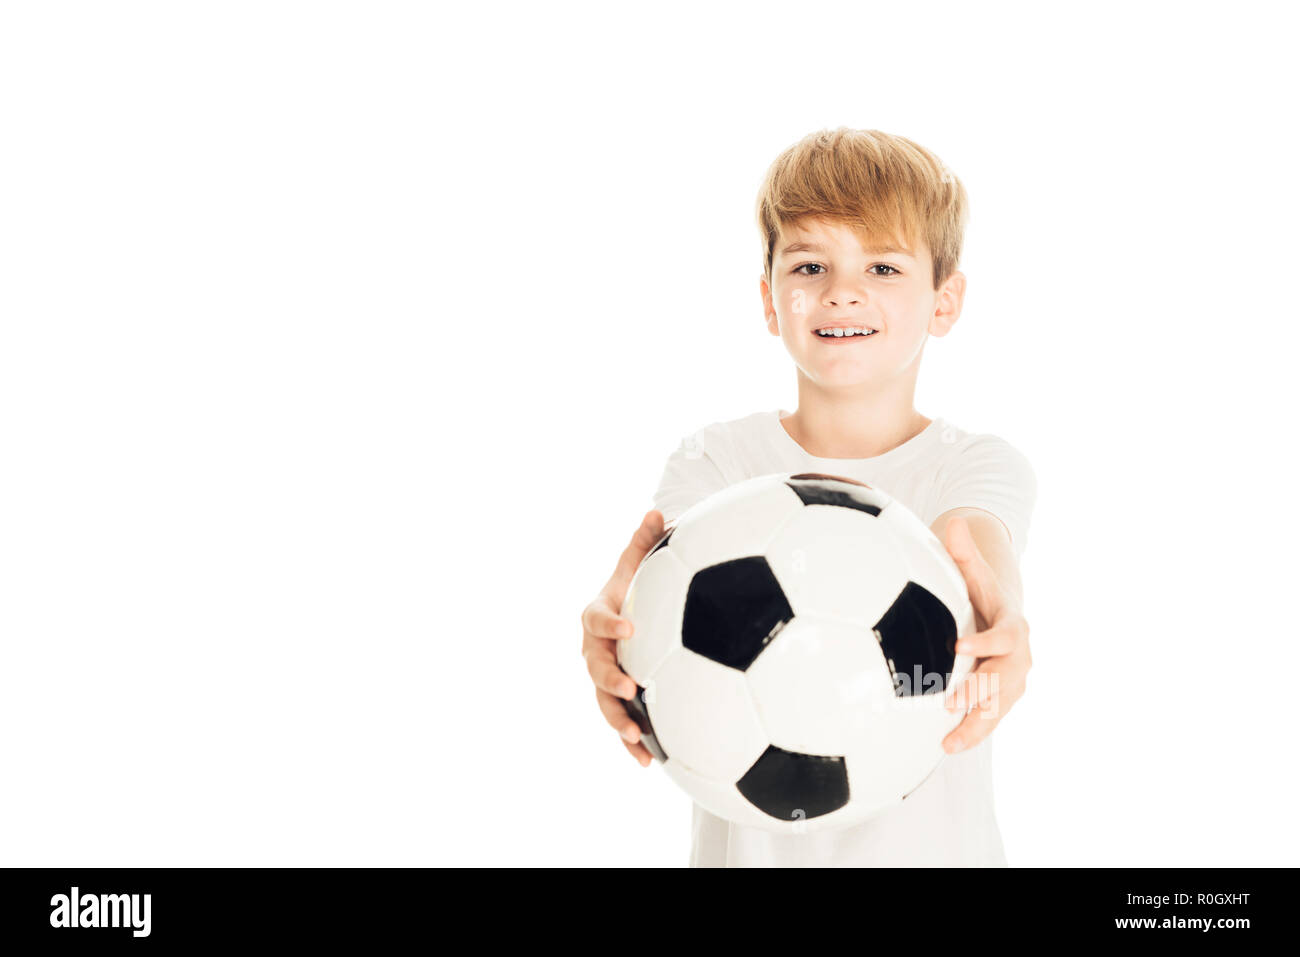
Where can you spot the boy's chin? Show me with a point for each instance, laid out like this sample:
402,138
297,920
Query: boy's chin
841,371
841,378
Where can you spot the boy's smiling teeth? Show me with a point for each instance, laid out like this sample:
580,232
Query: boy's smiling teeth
845,331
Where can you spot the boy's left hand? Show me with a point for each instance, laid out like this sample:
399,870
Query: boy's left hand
1000,645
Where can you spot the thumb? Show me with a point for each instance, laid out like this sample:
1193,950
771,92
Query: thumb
985,593
959,540
644,538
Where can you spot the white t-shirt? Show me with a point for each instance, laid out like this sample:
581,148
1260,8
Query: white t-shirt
948,820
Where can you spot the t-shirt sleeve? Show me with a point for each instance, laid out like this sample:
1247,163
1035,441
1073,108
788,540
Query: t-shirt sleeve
991,474
690,475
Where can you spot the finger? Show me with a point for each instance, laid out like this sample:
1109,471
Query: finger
639,752
644,538
973,729
601,620
1009,696
980,722
975,688
985,592
987,644
616,716
991,708
609,677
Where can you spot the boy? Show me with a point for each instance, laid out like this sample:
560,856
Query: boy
862,233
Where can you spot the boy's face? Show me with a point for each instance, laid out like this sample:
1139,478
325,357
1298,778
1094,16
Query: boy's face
834,281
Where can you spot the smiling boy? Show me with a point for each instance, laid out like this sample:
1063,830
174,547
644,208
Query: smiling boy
862,233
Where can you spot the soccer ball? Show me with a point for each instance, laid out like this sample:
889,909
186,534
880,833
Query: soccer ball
793,638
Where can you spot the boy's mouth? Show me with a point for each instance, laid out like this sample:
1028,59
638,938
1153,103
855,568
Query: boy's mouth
845,335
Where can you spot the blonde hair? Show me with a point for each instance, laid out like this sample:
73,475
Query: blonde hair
885,188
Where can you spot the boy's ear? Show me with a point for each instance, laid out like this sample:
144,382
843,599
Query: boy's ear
948,305
769,312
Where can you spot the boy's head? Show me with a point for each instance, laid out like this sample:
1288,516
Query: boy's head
861,229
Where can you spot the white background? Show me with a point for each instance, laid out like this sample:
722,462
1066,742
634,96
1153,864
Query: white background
343,345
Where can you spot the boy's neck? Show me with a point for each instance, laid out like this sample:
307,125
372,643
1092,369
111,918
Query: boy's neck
834,428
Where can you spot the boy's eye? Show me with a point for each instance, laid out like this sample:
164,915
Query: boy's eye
797,269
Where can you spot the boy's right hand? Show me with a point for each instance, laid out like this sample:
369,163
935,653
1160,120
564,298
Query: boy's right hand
602,625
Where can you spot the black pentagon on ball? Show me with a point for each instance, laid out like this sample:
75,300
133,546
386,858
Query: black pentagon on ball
918,630
822,491
733,610
637,711
793,786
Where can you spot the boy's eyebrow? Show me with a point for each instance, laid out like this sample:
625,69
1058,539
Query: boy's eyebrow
817,248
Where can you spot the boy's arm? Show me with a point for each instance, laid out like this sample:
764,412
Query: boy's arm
981,546
994,543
